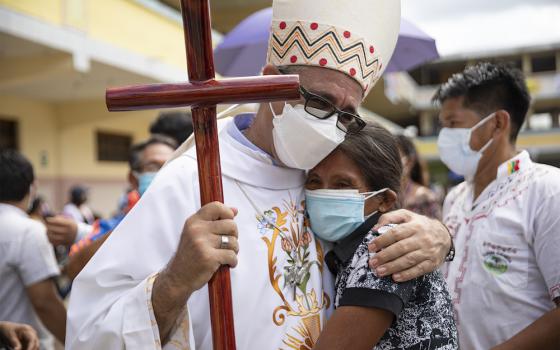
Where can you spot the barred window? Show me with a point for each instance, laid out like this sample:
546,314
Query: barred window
113,147
8,134
544,63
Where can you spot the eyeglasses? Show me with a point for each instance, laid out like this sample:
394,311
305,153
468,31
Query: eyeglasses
321,108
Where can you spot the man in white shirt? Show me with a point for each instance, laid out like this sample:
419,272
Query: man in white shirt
27,265
133,292
505,218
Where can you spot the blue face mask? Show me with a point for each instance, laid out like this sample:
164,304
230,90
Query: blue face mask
334,214
144,180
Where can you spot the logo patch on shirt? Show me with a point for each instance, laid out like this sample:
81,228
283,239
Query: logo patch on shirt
495,263
497,258
513,166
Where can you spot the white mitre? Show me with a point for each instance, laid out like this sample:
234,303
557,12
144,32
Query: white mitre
356,37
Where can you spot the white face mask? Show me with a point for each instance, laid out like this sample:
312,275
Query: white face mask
301,140
455,150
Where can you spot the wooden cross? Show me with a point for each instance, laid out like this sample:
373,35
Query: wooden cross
203,93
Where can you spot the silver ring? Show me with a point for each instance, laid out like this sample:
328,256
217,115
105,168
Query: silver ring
224,243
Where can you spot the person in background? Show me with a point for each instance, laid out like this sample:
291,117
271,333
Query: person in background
345,196
18,336
27,264
64,231
39,209
174,124
505,279
77,209
416,194
145,160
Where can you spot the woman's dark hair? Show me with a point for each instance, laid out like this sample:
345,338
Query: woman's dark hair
16,176
409,150
375,151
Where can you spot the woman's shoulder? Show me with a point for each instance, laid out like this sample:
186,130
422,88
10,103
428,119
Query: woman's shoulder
358,273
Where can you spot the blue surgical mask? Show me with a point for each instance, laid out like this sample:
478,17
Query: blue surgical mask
334,214
144,180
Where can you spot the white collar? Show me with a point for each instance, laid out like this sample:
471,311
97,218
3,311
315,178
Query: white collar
520,161
4,207
253,167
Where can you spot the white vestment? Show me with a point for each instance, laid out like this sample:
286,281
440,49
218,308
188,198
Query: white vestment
281,289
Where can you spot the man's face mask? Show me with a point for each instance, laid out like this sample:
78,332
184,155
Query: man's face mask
301,140
455,150
306,133
144,180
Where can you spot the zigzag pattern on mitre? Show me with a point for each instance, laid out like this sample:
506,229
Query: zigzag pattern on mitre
329,40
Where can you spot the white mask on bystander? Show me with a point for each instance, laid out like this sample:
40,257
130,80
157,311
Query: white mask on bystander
455,150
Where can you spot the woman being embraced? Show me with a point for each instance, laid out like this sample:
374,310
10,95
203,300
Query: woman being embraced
345,196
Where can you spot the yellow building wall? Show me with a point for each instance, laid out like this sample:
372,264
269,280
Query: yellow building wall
122,23
60,141
38,134
134,27
60,137
78,123
47,10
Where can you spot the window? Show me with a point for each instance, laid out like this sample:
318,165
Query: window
544,63
426,75
113,147
8,134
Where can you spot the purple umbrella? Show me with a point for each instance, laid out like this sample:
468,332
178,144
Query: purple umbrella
243,50
414,47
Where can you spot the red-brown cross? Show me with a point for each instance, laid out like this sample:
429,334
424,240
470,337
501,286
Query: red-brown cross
202,93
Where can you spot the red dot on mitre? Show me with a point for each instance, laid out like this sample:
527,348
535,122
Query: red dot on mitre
352,71
371,49
314,26
282,25
346,34
293,59
323,61
367,85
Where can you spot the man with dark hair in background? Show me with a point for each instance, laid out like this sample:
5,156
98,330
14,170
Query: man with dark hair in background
77,208
27,265
175,124
505,280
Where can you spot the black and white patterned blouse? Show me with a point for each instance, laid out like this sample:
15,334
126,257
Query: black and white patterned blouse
422,307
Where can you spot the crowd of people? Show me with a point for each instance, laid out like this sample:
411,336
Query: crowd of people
504,248
333,234
42,252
